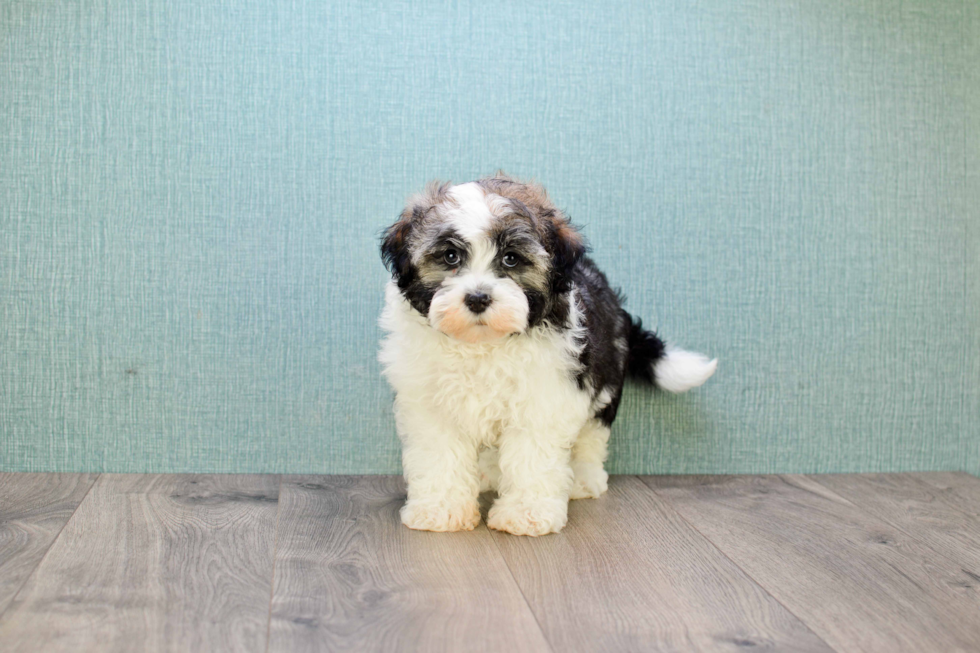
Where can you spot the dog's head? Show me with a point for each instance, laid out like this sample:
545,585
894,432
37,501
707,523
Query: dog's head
483,260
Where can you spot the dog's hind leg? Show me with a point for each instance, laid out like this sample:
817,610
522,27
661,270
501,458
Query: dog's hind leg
588,455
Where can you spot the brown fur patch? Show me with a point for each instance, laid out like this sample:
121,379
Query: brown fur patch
548,220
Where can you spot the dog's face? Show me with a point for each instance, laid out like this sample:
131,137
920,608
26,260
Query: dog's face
483,260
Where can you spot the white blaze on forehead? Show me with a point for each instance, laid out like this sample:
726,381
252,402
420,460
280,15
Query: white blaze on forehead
471,217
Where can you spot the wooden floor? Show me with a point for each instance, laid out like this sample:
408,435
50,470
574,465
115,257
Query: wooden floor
320,563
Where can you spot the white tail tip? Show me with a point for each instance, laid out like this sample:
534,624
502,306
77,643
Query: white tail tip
679,370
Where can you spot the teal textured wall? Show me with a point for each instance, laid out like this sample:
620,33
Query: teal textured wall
190,194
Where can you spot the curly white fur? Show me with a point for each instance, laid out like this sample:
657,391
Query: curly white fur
516,394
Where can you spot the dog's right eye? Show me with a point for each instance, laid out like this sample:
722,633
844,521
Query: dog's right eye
451,257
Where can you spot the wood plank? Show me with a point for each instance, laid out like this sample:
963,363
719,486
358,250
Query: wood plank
859,583
628,574
349,576
959,489
33,510
153,562
918,509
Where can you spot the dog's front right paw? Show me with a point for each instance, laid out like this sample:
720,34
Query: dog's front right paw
528,518
437,516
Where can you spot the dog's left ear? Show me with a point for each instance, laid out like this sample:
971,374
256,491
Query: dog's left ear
567,247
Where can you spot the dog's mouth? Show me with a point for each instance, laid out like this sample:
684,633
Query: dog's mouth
478,331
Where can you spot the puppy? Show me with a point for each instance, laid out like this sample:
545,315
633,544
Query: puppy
507,351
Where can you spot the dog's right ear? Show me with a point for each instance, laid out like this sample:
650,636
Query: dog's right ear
396,239
394,245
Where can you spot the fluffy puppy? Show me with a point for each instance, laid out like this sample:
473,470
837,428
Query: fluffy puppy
507,350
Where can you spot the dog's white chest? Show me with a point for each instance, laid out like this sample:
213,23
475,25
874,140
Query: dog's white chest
482,390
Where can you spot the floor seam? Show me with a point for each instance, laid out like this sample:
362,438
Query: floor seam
945,492
901,529
493,538
20,589
941,493
275,555
762,587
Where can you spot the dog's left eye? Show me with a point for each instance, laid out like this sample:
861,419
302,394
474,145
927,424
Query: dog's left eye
510,260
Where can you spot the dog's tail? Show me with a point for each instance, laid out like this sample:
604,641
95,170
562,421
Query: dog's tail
650,359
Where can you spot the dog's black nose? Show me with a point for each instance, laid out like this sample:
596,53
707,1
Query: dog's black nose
477,301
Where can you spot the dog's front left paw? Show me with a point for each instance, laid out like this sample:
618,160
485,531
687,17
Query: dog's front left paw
436,516
528,518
